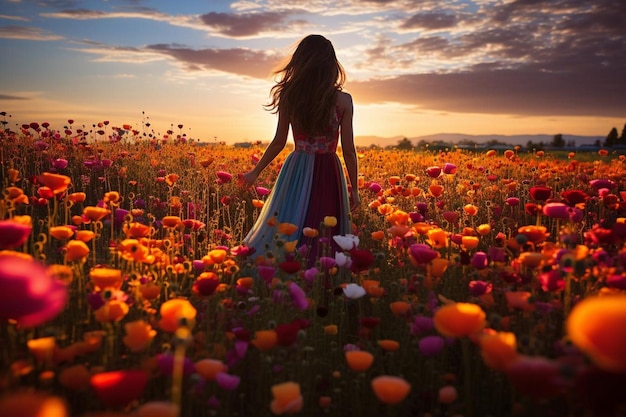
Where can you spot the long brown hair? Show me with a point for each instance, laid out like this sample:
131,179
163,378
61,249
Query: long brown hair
308,85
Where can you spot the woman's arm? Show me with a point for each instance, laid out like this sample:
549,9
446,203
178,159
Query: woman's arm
348,148
272,150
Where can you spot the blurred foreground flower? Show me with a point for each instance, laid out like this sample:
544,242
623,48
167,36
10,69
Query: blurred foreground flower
32,404
14,232
459,319
119,388
28,294
595,326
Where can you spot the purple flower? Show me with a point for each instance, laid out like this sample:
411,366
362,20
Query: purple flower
227,381
298,297
375,187
422,324
431,345
480,260
166,365
478,288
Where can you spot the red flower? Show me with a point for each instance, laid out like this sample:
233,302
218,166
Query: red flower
287,333
573,197
361,259
290,267
206,284
370,322
119,388
540,193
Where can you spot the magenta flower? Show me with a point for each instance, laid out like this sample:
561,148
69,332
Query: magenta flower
266,272
261,191
480,260
557,210
28,294
551,281
375,187
224,177
433,171
431,345
13,233
227,381
326,262
512,201
449,168
478,288
422,254
602,183
298,297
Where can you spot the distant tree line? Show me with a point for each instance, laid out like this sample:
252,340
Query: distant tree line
612,139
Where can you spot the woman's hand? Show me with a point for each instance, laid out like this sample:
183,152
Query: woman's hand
355,201
246,180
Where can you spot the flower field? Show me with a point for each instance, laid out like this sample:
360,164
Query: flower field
473,284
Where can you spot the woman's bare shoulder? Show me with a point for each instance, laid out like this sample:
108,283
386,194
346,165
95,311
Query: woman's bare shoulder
344,100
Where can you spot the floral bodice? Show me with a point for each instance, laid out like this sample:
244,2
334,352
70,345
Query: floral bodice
320,144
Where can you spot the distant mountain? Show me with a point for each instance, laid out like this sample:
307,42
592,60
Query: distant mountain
454,138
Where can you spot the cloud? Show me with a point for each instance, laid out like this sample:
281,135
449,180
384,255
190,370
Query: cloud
249,24
240,61
522,92
27,33
12,97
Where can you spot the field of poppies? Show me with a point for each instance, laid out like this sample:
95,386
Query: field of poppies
473,284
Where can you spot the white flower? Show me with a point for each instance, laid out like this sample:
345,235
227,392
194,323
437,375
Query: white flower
347,242
354,291
343,260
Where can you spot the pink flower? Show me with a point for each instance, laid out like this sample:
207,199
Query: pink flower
422,254
298,297
227,381
431,345
478,288
449,168
224,177
28,294
13,233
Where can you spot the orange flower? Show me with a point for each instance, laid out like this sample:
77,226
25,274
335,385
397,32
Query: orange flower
483,229
136,230
42,348
119,388
310,232
389,345
75,250
331,329
139,334
470,209
13,175
215,256
519,300
530,259
95,213
265,339
61,232
287,398
400,308
378,235
246,282
113,310
84,235
171,221
209,368
32,404
77,197
287,229
150,291
438,266
56,182
390,389
256,203
175,313
437,238
106,278
535,234
469,242
133,250
596,325
435,190
61,272
170,179
359,360
394,179
498,349
111,197
459,319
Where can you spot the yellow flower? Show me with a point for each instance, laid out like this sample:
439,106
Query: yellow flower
330,221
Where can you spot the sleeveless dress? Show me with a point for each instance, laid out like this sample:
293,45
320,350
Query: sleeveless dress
310,186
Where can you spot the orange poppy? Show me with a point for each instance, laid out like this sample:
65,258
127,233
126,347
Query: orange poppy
498,349
150,290
138,336
287,398
470,209
56,182
378,235
113,310
390,389
171,221
438,266
94,213
256,203
519,300
535,234
176,313
331,329
400,308
84,235
265,339
437,237
106,278
32,403
389,345
42,348
61,232
77,197
111,197
215,256
359,360
435,190
209,368
246,282
470,242
595,327
76,250
459,319
136,230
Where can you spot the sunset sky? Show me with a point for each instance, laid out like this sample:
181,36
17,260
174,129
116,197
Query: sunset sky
415,67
